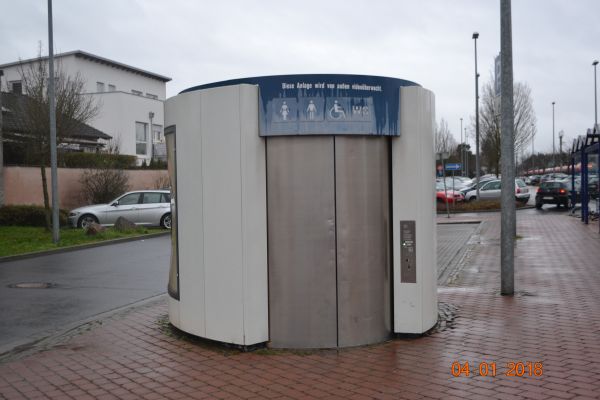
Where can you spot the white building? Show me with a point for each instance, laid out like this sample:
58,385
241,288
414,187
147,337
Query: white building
130,99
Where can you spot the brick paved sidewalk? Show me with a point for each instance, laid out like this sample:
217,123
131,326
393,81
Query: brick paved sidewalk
554,319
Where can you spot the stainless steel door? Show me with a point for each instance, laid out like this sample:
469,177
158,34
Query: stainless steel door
328,240
301,242
363,261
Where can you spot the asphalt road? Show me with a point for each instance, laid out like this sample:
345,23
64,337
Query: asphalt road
88,282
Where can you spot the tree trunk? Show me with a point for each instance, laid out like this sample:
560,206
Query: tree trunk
46,201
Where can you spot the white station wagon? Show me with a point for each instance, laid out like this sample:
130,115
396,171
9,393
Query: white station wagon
143,207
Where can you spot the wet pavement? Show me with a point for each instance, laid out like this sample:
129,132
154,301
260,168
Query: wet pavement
452,239
543,343
83,283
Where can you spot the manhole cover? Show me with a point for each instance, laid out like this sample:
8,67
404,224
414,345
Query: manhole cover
32,285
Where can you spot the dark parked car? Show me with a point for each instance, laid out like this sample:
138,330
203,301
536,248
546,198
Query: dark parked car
553,192
534,180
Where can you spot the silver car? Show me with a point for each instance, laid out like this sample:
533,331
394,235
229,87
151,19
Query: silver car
143,207
491,190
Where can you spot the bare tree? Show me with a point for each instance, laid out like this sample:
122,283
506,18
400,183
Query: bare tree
72,110
105,182
444,140
524,120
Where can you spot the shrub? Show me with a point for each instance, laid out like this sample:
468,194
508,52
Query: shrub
97,160
102,185
157,164
162,182
27,216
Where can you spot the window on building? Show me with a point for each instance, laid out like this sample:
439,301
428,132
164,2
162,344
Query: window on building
151,96
136,92
99,87
141,138
112,88
16,87
156,133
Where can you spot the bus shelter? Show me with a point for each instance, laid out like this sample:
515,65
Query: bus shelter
585,151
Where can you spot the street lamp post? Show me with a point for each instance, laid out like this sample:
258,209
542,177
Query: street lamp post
508,220
560,138
595,63
475,37
462,151
466,154
553,147
532,149
52,104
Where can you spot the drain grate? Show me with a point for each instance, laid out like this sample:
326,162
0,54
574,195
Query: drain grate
32,285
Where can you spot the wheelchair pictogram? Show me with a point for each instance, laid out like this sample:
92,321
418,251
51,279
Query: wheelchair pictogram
337,111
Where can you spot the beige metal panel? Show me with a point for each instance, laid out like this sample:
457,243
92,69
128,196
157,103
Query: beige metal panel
221,176
184,112
413,171
254,220
363,239
221,181
301,228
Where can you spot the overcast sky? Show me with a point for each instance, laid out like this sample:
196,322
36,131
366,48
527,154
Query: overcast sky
429,42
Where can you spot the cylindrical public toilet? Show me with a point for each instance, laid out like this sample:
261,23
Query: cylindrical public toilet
303,210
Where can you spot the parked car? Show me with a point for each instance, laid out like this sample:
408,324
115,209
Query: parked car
546,177
534,180
491,190
554,177
473,186
465,180
143,207
457,184
555,192
593,186
453,195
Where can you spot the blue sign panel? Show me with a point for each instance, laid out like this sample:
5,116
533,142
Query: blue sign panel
453,167
325,104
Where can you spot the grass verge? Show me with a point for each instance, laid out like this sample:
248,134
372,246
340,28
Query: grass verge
15,240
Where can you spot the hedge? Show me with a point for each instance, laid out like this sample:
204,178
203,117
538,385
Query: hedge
27,216
96,160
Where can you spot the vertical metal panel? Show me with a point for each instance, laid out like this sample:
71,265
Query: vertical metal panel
413,164
254,220
220,126
301,242
363,258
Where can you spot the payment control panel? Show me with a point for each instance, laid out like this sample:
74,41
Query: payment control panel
408,262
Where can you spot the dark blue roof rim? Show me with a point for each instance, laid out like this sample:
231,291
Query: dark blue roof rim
249,80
